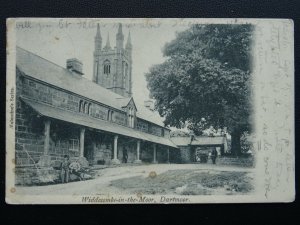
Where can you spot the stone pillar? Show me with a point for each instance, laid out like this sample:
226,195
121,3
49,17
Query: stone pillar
154,153
82,131
45,159
115,160
138,146
47,137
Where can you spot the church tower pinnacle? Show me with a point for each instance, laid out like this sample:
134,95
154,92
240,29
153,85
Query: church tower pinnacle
119,37
107,45
98,39
113,66
128,44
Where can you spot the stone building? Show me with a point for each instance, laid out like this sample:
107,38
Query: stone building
59,112
113,66
191,146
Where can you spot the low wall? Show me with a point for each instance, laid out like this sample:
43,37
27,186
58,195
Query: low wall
236,161
27,176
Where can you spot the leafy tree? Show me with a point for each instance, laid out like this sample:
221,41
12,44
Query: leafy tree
206,80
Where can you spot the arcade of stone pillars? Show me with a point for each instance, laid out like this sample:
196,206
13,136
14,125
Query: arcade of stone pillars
115,160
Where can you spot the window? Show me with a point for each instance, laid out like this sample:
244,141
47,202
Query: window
110,115
106,68
74,145
80,106
131,117
89,109
85,107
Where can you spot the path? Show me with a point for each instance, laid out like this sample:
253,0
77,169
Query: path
101,184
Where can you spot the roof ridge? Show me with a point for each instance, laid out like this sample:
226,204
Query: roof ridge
35,54
152,118
82,77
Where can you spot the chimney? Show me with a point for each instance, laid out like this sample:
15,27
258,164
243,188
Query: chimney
149,104
75,66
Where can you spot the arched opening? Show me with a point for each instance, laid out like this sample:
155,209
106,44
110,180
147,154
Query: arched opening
106,67
80,109
89,108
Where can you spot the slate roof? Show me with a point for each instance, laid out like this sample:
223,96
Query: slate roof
181,141
41,69
198,140
204,140
83,120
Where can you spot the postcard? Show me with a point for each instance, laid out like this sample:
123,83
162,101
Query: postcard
149,111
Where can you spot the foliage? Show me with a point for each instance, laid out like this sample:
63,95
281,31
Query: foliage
205,79
246,143
75,166
179,133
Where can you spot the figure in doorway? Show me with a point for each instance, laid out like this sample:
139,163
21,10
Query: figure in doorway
125,155
213,156
65,171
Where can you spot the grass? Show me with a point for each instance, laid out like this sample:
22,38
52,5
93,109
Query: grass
188,182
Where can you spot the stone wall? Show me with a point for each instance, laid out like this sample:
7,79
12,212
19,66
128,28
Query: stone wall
68,101
162,154
29,134
156,130
60,99
151,128
64,140
147,152
119,118
142,126
28,176
64,137
241,161
174,155
186,155
166,133
120,70
131,154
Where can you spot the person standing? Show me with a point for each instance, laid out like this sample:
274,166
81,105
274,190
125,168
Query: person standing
125,155
65,170
214,154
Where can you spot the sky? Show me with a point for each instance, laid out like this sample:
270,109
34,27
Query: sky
60,39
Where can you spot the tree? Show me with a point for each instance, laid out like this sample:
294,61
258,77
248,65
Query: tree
205,80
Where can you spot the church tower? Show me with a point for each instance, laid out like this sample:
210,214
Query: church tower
113,66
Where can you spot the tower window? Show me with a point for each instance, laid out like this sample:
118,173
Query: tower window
106,68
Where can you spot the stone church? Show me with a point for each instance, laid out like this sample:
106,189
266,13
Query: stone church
60,112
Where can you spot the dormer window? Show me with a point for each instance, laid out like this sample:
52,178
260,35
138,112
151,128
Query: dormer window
106,68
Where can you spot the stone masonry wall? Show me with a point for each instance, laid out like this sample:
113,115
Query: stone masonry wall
185,154
162,154
29,132
149,128
61,99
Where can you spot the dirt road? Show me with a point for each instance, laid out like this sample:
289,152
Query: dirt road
101,185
